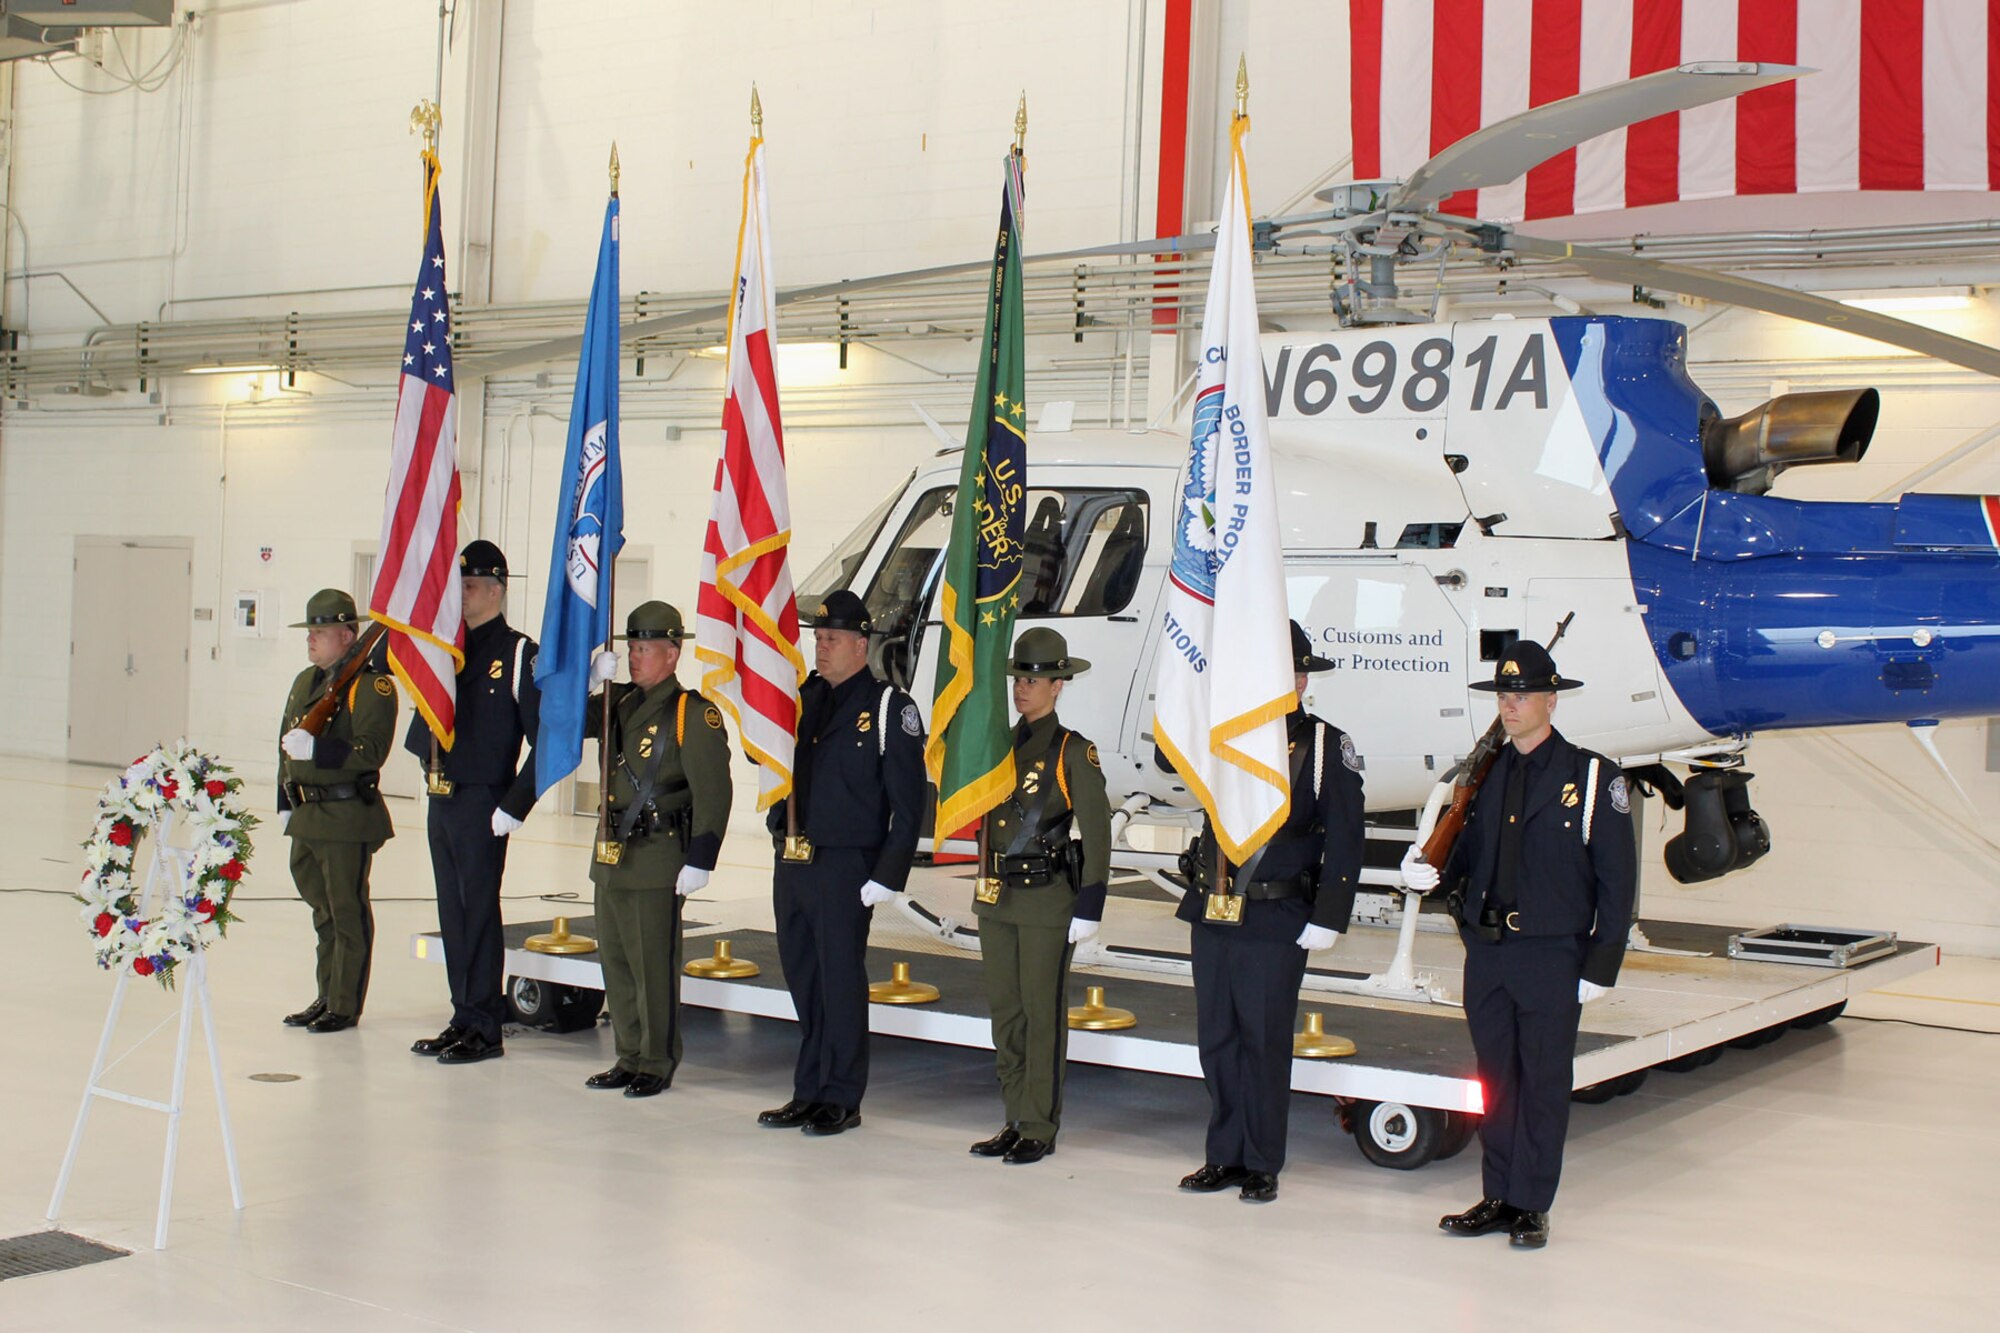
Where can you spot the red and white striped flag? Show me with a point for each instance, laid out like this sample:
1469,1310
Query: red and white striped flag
746,621
416,571
1906,96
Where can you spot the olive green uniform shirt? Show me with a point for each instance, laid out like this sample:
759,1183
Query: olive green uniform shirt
691,788
353,745
1044,754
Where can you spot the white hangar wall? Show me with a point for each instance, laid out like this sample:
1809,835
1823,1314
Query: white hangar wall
275,174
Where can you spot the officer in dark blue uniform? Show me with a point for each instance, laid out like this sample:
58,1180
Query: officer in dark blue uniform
480,791
1545,875
858,789
1249,947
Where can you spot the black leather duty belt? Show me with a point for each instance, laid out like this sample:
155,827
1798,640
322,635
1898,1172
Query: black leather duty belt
1273,890
302,793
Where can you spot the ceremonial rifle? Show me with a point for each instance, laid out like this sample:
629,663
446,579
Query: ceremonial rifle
343,674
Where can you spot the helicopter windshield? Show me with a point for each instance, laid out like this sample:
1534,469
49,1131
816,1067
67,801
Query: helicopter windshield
837,570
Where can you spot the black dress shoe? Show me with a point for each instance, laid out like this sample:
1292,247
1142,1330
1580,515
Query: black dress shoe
1028,1151
648,1085
615,1077
1212,1178
1259,1187
471,1049
331,1022
1484,1216
998,1145
1530,1230
305,1016
827,1119
789,1116
437,1045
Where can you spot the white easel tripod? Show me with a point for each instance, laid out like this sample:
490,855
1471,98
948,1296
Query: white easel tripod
170,872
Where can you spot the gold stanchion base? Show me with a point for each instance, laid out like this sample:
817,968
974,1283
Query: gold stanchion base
559,940
437,784
1314,1044
1094,1015
723,966
899,989
610,851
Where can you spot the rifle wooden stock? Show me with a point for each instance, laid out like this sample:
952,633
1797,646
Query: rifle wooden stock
322,712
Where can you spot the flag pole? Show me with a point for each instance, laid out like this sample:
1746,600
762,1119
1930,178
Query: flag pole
610,623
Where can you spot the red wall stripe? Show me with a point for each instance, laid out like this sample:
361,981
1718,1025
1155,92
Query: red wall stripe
1554,55
1767,133
1653,147
1993,94
1170,209
1892,95
1458,31
1365,99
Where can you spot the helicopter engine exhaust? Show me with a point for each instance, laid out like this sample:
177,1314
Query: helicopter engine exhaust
1747,453
1722,832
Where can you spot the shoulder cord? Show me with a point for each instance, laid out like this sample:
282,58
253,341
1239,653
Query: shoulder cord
520,647
882,722
1590,802
681,720
1319,758
1062,771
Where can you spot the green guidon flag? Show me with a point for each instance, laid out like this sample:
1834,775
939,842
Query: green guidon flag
971,751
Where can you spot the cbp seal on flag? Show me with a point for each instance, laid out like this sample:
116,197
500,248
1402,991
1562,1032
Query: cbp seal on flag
586,520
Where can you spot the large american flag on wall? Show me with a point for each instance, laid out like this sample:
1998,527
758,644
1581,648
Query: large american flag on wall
416,572
1904,97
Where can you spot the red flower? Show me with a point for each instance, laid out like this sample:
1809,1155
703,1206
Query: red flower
105,923
143,966
121,834
217,789
169,789
206,907
231,870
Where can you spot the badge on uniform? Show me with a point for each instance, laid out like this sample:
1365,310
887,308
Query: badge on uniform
495,669
913,722
863,723
1569,796
1621,795
713,716
1347,755
646,741
1091,755
384,686
1031,781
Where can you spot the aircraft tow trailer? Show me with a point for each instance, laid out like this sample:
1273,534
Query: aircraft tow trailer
1410,1093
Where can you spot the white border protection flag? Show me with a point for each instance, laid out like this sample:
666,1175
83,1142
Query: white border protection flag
1225,677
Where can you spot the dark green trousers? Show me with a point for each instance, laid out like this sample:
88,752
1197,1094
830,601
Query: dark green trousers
332,877
1027,975
639,943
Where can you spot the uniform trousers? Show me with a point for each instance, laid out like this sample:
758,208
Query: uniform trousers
332,877
1246,994
639,942
1520,1002
467,862
1027,972
823,945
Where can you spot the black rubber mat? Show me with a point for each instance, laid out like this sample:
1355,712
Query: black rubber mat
51,1252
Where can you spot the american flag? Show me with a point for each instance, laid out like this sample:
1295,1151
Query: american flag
1906,96
746,619
416,572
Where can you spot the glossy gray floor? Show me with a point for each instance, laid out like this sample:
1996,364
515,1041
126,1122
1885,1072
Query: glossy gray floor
1843,1178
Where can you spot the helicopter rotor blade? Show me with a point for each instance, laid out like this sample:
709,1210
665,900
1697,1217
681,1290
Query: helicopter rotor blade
1506,149
1732,290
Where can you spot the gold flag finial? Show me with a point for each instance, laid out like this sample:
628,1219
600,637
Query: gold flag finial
1242,87
614,168
756,114
424,120
1021,123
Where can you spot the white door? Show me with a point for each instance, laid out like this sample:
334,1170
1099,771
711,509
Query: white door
131,608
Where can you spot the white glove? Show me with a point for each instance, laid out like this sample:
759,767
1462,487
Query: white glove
1418,874
1314,938
284,818
603,666
874,895
1586,991
504,823
1081,930
298,744
690,880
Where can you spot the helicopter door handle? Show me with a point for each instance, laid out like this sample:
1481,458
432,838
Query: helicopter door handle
1123,620
130,670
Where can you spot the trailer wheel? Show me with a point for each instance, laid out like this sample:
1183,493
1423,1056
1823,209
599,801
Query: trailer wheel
552,1005
1460,1127
1399,1137
1750,1041
1627,1084
1596,1094
1820,1017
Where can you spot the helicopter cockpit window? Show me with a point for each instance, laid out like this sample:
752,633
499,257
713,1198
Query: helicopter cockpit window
837,570
1083,553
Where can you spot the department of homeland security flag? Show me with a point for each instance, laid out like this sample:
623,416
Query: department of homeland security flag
590,528
746,621
971,749
416,575
1225,678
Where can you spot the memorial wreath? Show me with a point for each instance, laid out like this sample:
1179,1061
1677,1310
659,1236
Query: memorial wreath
190,911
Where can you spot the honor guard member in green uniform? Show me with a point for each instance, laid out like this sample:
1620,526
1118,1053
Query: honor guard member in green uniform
330,805
480,791
1049,853
668,808
858,787
1293,896
1543,881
